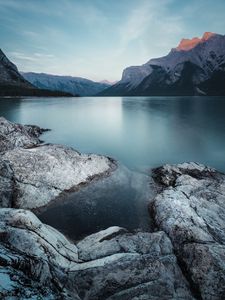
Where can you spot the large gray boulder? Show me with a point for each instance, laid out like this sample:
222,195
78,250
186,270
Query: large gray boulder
43,173
191,210
34,257
14,135
121,265
33,174
128,266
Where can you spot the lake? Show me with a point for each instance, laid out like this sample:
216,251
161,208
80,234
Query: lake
140,132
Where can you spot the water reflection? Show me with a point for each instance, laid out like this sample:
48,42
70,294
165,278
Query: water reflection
141,132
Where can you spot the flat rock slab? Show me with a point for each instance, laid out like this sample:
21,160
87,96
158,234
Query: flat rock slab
42,173
129,266
191,210
33,174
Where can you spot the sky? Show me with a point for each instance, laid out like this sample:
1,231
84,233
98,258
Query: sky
97,39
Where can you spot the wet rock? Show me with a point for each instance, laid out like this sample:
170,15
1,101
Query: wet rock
14,135
191,210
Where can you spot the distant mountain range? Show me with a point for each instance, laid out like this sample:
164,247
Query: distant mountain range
73,85
195,67
12,83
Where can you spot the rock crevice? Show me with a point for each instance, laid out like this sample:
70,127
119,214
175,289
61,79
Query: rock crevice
191,209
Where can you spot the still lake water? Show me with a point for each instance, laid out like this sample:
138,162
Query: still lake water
140,132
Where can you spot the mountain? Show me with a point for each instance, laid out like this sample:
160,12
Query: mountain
73,85
9,74
195,67
108,82
12,83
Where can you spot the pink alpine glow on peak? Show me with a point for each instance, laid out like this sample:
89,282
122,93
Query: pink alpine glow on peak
188,44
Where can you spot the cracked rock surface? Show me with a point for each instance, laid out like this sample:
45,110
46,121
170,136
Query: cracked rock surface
128,266
191,209
32,175
183,259
14,135
42,173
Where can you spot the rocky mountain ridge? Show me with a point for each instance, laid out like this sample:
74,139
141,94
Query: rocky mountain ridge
195,67
73,85
12,83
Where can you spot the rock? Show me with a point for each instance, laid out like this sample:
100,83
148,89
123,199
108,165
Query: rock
191,210
6,184
122,265
168,174
43,173
35,256
31,174
96,245
15,135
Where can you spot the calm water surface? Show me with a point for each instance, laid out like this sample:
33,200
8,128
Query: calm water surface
140,132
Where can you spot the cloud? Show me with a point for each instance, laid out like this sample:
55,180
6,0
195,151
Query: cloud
33,57
32,61
150,25
97,39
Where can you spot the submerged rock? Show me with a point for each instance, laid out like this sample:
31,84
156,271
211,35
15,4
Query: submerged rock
191,210
138,266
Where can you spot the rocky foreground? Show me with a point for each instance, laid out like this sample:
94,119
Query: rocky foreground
33,174
184,258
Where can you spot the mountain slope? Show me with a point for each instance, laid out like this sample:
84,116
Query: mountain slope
12,83
9,74
73,85
196,66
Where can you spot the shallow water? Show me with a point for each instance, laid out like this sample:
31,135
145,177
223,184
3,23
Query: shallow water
120,199
140,132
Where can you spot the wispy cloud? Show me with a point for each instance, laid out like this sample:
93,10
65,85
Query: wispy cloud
151,27
99,38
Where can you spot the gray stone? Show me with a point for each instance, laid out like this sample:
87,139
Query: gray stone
141,266
34,257
45,172
32,175
191,210
128,266
6,185
14,135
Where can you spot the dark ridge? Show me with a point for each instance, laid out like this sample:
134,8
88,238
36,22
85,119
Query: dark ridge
13,90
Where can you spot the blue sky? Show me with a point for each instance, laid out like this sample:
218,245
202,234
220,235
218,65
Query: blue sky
97,39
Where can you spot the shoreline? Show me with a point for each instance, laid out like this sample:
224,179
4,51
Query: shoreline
182,257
